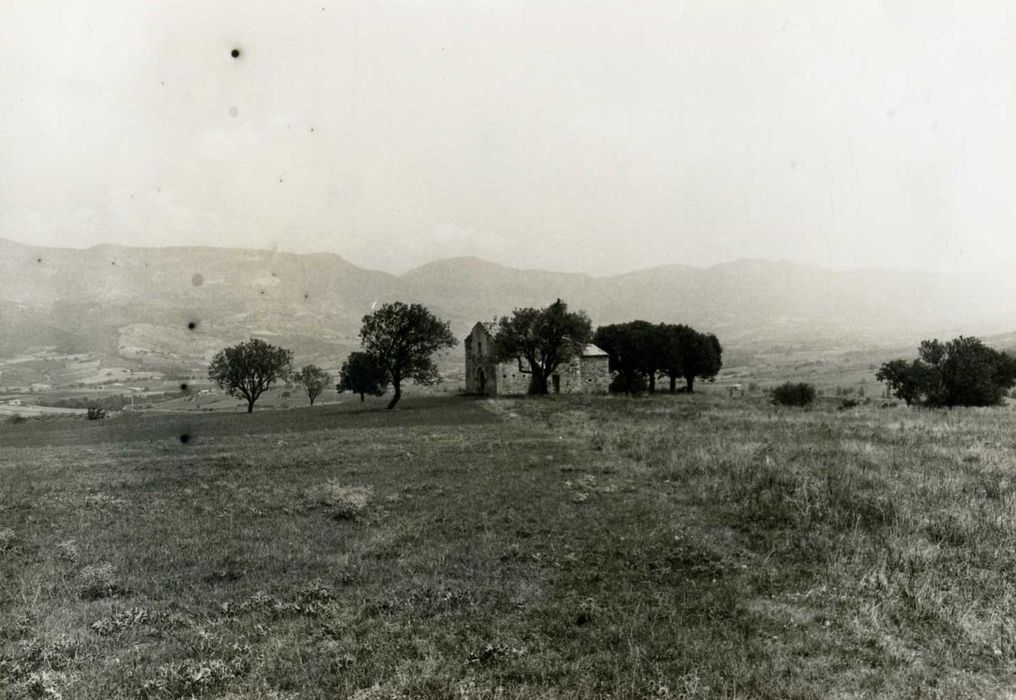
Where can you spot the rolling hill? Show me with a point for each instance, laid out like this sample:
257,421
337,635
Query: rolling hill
170,307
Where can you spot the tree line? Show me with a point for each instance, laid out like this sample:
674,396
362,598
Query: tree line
398,343
638,351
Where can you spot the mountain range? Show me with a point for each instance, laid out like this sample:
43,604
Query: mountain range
169,307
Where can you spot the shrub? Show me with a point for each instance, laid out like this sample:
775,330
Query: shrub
99,581
345,502
17,419
7,539
793,394
96,413
848,403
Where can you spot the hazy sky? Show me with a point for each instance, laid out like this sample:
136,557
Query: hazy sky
588,136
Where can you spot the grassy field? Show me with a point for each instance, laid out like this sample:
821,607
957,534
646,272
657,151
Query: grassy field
570,547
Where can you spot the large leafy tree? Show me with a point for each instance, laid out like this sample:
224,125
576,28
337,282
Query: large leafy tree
402,339
542,338
701,356
634,352
313,379
361,374
672,340
246,370
904,379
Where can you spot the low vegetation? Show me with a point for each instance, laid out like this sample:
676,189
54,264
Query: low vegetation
793,394
576,547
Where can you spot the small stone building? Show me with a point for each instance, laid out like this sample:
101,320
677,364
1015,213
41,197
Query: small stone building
586,374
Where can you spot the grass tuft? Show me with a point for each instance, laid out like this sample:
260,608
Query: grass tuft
343,502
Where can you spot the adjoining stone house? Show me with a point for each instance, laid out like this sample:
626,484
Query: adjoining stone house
587,374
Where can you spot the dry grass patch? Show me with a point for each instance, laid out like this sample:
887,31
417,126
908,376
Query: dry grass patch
342,501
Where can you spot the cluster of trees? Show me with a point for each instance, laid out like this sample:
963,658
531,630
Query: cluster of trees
638,351
399,342
641,352
961,372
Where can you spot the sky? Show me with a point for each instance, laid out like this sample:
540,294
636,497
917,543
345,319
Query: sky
591,136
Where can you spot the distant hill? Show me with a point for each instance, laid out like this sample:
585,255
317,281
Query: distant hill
137,303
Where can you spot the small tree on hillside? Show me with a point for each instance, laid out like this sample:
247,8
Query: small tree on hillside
313,379
543,338
361,374
248,369
402,339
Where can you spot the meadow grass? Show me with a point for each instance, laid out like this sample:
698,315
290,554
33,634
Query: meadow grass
570,547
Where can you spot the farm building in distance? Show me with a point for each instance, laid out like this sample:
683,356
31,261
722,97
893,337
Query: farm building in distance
586,374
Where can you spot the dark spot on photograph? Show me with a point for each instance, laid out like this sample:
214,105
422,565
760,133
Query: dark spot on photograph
197,279
191,325
235,53
185,438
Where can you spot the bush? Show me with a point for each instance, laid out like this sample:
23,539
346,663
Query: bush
848,404
96,413
95,582
793,394
17,419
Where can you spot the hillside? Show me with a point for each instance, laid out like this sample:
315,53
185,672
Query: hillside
138,304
